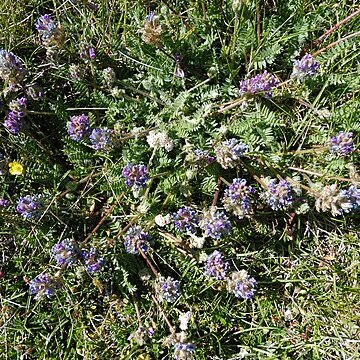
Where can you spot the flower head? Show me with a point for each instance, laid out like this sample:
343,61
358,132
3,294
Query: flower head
198,159
88,53
30,207
15,168
11,68
13,122
152,29
216,266
43,285
109,76
141,335
136,239
260,83
352,194
49,31
78,127
160,140
215,224
237,198
306,66
186,219
102,139
337,202
241,284
92,259
184,351
167,289
279,194
66,253
136,176
18,106
229,152
342,143
3,203
45,26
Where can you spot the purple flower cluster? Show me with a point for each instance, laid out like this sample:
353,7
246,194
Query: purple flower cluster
241,284
43,285
202,156
199,159
136,176
352,197
78,127
34,92
184,351
30,207
342,143
15,118
102,139
237,198
92,260
229,152
215,224
66,253
167,289
3,203
216,266
46,26
279,194
260,83
88,53
306,66
186,219
11,68
136,239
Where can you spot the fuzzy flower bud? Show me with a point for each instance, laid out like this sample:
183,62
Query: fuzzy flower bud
30,207
66,253
237,198
136,239
342,143
215,224
43,285
279,194
260,83
102,139
167,289
152,29
184,351
241,284
229,152
186,219
306,66
160,140
136,176
92,259
11,68
216,266
78,127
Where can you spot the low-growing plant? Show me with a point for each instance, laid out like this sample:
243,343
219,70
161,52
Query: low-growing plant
179,180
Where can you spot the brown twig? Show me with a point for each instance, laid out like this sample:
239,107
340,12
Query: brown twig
336,26
216,195
152,267
336,43
103,218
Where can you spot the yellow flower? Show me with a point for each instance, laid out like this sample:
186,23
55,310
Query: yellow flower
16,168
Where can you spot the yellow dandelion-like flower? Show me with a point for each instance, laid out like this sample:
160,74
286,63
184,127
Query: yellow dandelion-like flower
15,168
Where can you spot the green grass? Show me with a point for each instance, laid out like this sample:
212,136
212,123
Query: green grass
306,304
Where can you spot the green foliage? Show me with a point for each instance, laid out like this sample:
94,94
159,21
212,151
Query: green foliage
303,259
